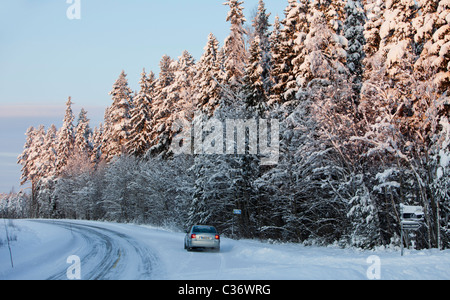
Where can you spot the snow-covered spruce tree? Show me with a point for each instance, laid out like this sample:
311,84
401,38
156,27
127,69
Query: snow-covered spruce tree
276,63
27,170
97,136
255,94
140,117
66,139
389,34
49,155
24,158
182,89
162,107
286,52
44,189
83,135
31,161
182,94
433,39
334,12
234,47
178,104
261,27
354,33
397,36
117,119
207,79
37,152
373,10
324,51
257,80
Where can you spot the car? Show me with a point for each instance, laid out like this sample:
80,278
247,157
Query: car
202,237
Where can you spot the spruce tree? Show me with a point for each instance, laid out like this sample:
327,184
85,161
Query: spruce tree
181,97
97,137
234,46
432,38
354,33
66,139
258,81
24,158
207,79
83,135
182,88
116,131
162,107
140,117
324,50
255,94
33,165
50,156
397,37
261,26
277,64
285,84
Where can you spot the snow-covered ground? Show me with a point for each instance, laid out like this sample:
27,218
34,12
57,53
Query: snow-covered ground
45,249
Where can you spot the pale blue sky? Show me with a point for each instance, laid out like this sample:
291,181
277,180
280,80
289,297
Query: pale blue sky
45,57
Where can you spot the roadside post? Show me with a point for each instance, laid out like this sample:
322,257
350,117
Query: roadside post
411,219
235,212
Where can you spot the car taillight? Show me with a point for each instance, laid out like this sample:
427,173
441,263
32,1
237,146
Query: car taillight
193,236
217,237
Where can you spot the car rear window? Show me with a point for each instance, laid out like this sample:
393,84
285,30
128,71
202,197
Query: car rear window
204,229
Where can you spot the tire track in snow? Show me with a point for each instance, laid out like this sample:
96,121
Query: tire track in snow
107,254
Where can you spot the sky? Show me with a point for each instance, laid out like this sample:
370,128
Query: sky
47,54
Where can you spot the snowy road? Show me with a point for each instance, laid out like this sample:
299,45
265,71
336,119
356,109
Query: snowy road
40,250
102,252
107,253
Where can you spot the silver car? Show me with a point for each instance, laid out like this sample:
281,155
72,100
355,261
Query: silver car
202,236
